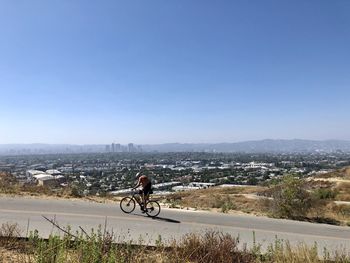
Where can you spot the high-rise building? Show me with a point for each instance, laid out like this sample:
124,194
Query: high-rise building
113,148
130,147
108,148
118,148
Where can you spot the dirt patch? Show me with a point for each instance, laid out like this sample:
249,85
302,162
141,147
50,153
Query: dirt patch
219,199
341,173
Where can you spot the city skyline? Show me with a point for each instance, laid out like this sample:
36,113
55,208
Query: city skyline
187,72
261,146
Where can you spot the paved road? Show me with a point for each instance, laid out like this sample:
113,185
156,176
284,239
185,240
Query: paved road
172,223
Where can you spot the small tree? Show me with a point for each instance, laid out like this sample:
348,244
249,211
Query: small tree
76,191
290,199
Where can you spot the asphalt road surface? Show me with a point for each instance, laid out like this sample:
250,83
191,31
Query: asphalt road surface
171,223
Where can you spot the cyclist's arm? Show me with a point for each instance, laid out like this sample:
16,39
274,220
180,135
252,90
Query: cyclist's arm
137,185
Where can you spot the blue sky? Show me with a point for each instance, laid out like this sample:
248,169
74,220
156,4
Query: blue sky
173,71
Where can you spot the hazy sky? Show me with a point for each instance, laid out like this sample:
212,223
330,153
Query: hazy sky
173,71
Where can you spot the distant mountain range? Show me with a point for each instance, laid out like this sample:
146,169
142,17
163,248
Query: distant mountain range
259,146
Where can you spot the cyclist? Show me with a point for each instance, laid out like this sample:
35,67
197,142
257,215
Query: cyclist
146,184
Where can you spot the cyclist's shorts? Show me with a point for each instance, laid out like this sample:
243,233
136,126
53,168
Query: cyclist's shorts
147,189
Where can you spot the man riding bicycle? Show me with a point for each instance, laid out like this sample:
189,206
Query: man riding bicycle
146,184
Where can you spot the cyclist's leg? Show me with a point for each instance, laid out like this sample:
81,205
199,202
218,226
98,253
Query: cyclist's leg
139,197
144,199
147,189
146,193
147,198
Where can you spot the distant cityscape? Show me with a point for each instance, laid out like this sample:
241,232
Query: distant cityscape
113,172
111,168
260,146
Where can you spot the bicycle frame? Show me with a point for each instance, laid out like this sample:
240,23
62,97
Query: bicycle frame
139,199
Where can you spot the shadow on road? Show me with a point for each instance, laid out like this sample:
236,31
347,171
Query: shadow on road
164,219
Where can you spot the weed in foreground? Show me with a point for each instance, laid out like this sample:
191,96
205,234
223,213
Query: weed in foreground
98,246
209,247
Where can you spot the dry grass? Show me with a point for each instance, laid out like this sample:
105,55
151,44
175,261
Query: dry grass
282,252
343,173
319,184
9,233
11,247
12,256
209,247
218,199
324,193
343,191
99,246
236,200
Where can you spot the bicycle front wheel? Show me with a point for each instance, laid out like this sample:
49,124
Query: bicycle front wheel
127,204
152,208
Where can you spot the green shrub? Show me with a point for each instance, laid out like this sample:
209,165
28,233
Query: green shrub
290,199
76,191
227,206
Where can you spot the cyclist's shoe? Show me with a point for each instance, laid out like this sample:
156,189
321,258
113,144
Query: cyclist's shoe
144,211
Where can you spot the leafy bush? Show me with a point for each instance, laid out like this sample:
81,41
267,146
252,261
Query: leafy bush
76,191
227,206
290,199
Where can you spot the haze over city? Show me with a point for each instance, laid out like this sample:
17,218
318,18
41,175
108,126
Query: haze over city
147,72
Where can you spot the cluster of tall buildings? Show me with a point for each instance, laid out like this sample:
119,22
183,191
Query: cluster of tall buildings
118,148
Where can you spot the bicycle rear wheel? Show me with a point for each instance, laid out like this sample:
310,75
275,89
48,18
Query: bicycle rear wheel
152,208
127,204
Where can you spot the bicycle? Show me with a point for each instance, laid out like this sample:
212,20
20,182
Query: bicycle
128,204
